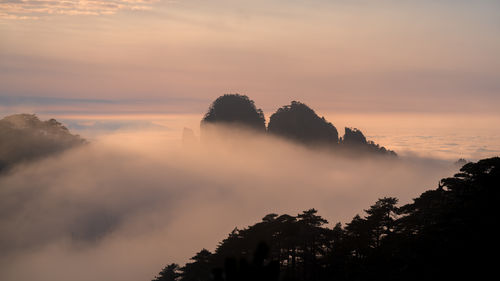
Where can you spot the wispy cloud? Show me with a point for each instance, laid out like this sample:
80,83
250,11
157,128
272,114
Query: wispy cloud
33,100
56,106
34,9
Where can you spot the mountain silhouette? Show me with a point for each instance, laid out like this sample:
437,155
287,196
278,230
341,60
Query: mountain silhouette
354,141
353,136
235,109
300,123
24,137
296,122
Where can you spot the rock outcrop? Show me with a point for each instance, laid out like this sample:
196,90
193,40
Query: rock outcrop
235,109
296,122
300,123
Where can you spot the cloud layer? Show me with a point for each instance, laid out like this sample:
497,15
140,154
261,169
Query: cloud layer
130,203
32,9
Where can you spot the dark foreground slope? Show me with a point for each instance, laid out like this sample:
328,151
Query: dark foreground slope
448,233
24,137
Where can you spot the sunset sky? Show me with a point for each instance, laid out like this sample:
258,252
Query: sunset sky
147,56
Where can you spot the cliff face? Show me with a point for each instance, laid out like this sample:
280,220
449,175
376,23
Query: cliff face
25,137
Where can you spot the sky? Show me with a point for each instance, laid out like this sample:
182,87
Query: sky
153,56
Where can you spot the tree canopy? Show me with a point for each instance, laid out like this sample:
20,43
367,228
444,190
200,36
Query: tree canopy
444,234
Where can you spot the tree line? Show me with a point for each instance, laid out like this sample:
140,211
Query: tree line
446,233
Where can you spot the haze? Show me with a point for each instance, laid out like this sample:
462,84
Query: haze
129,203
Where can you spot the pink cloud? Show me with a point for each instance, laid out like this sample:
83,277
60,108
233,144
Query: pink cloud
34,9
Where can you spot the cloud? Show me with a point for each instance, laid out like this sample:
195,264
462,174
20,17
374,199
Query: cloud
11,104
32,100
132,202
34,9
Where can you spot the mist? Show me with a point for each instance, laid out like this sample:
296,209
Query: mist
125,205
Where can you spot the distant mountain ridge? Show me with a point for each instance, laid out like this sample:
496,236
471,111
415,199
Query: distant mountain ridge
25,137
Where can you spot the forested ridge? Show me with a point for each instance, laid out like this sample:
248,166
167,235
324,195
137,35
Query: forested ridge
448,233
24,137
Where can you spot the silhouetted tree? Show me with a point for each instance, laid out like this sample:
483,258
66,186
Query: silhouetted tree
260,267
310,218
199,269
169,273
448,231
444,234
381,218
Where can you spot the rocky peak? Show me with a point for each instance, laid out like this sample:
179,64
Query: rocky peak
353,136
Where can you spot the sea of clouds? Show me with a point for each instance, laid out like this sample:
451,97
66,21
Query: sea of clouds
127,204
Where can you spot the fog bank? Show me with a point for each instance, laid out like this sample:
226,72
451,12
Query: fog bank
127,204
